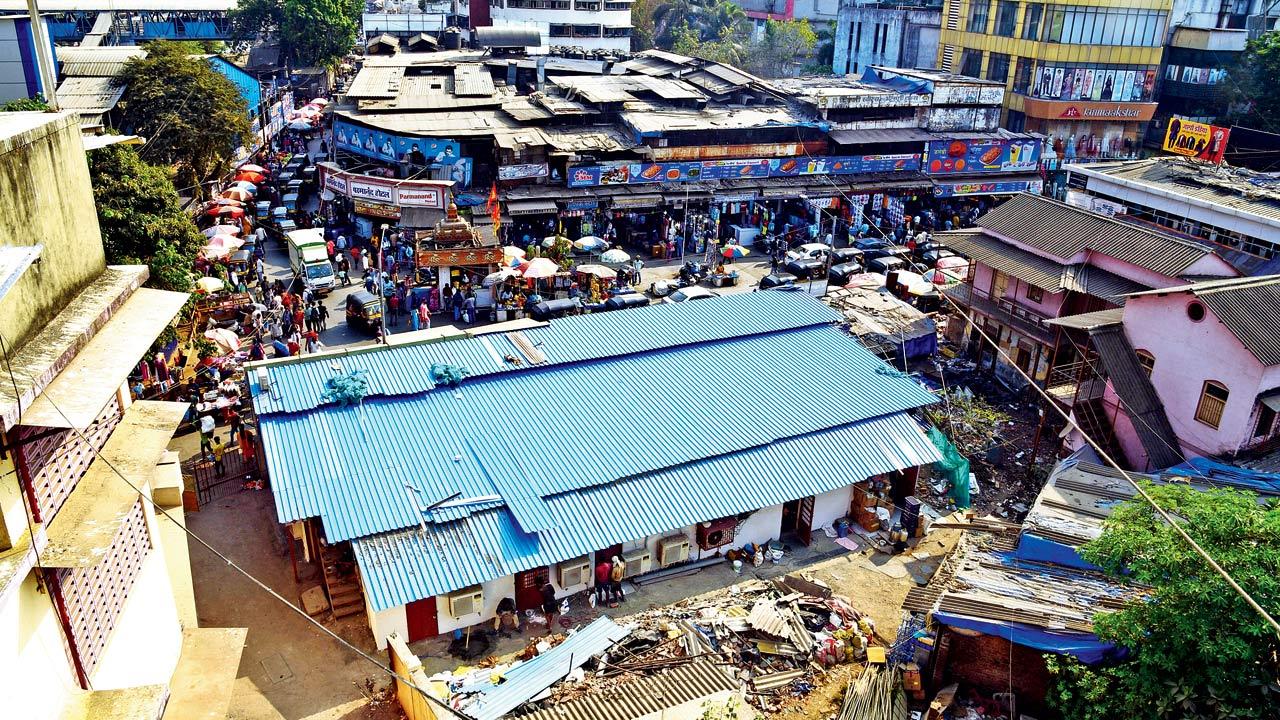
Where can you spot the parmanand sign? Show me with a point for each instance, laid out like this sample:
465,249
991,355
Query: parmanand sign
385,191
1078,110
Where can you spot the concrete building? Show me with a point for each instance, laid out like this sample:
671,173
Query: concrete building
1083,73
484,500
97,613
1037,260
890,34
1236,210
407,20
586,24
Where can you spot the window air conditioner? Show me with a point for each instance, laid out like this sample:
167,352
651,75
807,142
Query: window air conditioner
575,572
672,550
638,562
467,601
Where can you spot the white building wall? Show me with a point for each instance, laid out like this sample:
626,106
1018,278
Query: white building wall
543,19
762,526
144,647
382,624
830,506
494,591
38,678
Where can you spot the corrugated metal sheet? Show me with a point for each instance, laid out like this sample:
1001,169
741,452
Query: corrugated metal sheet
1064,231
525,681
1095,281
644,697
1138,395
1192,180
664,409
401,567
296,386
1026,266
1085,321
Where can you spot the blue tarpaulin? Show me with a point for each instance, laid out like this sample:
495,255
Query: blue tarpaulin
1085,647
897,82
1223,474
1035,548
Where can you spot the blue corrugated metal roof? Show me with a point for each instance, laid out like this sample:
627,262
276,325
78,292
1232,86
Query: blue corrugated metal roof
404,370
527,435
401,567
522,683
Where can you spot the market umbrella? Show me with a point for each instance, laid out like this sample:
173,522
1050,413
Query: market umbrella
615,257
225,241
250,177
236,193
599,271
228,341
940,277
539,268
243,185
511,251
215,252
494,278
590,242
222,230
301,125
319,101
227,211
250,167
550,240
951,262
210,284
735,251
225,202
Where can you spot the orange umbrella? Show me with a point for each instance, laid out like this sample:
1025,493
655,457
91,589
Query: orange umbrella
250,177
229,211
239,194
225,201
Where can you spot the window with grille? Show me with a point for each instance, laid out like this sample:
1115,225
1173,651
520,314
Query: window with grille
1006,17
1147,361
971,62
94,596
979,10
998,67
1213,400
55,462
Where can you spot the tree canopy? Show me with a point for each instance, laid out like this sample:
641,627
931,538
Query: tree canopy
192,117
1257,94
31,104
779,51
312,32
1196,649
141,219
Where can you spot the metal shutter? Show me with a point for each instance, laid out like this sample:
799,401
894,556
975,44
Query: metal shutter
93,597
56,462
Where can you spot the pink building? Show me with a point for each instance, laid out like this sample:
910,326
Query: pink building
1035,259
1191,370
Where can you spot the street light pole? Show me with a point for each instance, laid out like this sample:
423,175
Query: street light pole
44,55
382,290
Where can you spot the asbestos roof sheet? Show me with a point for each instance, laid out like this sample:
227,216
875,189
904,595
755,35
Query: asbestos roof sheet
1249,307
661,119
855,137
1138,396
527,680
1065,231
472,81
89,94
402,566
588,139
647,696
376,82
1235,189
1027,266
1085,321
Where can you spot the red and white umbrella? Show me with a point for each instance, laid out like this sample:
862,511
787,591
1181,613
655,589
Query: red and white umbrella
951,262
539,268
250,167
221,230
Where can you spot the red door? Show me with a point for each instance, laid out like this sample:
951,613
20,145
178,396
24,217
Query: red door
529,588
804,521
421,615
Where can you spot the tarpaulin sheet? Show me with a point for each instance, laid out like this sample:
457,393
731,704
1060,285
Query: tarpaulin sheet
899,83
1039,549
953,466
1223,474
1085,647
922,345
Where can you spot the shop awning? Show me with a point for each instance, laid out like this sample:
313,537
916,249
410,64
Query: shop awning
89,520
531,207
679,198
636,201
788,192
77,395
420,217
890,135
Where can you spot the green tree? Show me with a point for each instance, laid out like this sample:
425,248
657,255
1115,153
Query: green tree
141,218
30,104
192,117
686,41
785,46
312,32
1256,96
1196,649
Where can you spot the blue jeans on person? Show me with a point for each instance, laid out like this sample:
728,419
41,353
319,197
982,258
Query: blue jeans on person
457,313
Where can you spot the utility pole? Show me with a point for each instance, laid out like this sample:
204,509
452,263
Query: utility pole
382,291
44,55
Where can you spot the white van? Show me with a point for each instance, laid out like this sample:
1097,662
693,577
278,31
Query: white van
309,259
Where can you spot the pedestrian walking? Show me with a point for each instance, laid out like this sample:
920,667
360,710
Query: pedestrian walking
323,312
218,450
207,426
549,606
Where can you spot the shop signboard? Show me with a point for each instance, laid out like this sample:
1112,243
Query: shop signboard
337,182
460,256
521,172
944,157
1196,139
622,173
428,196
376,210
388,147
587,204
370,190
987,188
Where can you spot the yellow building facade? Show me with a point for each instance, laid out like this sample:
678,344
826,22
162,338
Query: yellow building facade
1083,74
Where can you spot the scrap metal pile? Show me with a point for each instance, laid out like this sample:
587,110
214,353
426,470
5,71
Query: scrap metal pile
772,641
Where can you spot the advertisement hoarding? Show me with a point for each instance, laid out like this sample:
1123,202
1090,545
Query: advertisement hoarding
427,152
943,157
623,173
1195,139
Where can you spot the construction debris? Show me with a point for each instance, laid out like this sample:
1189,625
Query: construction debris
876,695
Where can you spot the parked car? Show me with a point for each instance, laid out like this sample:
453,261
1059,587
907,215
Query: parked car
901,251
842,273
690,293
813,251
841,256
931,257
364,311
806,268
870,243
777,280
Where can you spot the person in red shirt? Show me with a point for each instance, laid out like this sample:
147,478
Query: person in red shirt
286,299
603,568
394,303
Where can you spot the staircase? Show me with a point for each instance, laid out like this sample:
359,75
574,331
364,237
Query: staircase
341,581
1092,417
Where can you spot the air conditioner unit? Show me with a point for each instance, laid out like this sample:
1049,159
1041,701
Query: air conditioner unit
638,562
467,601
575,572
672,550
716,533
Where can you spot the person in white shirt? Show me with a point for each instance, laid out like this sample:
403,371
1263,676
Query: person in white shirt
207,426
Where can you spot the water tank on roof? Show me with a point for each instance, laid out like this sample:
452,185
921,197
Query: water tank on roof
452,38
